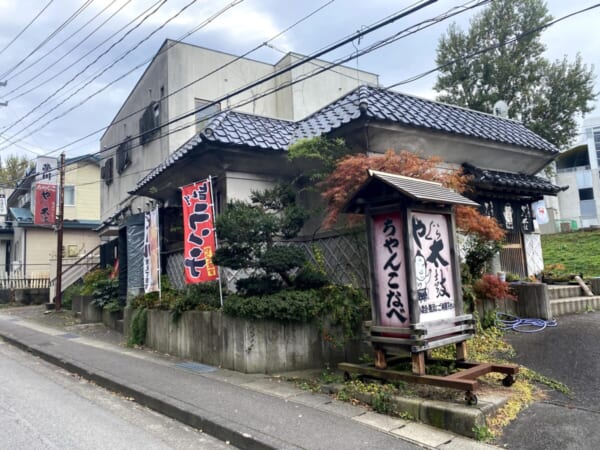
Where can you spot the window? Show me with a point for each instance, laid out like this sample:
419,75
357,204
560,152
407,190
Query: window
106,171
150,123
69,195
586,194
123,156
206,113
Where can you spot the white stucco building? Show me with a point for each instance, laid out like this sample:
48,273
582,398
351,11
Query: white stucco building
579,168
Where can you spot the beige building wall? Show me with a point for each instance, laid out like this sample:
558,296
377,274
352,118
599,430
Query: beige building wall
85,177
164,81
40,247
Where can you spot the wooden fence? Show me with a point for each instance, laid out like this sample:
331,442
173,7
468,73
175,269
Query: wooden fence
343,256
18,280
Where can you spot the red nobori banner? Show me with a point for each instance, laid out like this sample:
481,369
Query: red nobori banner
45,204
198,232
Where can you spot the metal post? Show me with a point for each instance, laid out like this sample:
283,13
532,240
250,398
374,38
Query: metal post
59,230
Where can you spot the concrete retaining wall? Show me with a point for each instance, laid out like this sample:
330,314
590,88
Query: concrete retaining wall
533,301
83,308
595,286
29,296
242,345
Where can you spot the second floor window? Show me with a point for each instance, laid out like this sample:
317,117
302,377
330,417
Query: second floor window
205,112
106,171
123,155
69,195
150,123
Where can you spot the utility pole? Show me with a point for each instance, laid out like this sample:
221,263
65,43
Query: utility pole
59,230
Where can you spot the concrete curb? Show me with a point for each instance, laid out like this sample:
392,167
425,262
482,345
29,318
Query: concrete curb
459,419
218,427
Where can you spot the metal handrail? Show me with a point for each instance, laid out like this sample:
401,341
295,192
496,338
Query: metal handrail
76,263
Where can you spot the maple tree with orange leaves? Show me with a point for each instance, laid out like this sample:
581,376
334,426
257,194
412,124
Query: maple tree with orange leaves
351,172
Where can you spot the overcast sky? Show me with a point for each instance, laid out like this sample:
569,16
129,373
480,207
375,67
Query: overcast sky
240,29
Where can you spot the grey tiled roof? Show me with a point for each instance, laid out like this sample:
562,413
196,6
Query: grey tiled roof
389,106
377,104
254,131
513,181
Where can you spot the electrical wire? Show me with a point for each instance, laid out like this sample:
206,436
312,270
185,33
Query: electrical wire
390,19
407,31
122,119
297,22
514,323
495,46
50,52
48,38
74,63
26,27
160,3
395,84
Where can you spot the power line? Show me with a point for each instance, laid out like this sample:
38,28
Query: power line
26,27
393,38
388,87
388,20
160,4
74,63
194,81
48,38
377,25
374,46
202,25
494,46
49,52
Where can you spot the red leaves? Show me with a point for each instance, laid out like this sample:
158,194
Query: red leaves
351,173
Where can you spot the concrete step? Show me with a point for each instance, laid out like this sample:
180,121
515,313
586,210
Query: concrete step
574,305
557,292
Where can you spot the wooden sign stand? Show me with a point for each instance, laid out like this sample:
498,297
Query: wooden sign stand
415,283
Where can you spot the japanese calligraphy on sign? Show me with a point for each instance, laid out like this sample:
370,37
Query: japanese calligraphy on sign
432,266
45,204
151,252
46,169
199,233
390,270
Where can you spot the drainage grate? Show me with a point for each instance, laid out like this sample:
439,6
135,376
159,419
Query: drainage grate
196,367
69,336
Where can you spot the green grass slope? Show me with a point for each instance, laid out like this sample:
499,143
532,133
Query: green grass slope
578,251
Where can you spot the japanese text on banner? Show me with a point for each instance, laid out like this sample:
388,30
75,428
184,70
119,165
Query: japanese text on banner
199,233
151,252
45,204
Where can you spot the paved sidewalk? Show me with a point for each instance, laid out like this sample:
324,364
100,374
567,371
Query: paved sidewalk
249,411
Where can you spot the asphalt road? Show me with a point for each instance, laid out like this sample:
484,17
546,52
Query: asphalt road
570,354
44,407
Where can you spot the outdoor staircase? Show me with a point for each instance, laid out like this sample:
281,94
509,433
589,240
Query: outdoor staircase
76,270
571,299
